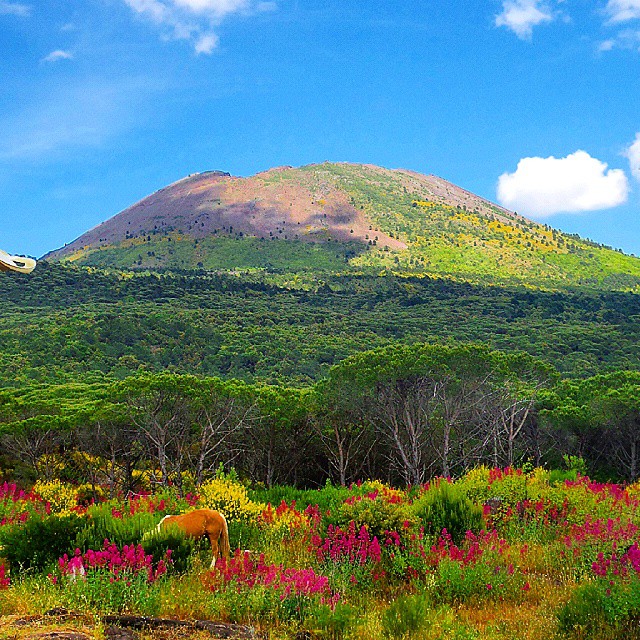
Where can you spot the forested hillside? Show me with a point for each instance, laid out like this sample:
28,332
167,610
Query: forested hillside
63,321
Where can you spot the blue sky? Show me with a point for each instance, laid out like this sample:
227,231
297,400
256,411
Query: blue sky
533,103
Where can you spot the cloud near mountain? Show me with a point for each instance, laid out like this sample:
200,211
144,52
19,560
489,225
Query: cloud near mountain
545,186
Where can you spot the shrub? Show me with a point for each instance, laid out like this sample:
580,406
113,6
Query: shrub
230,498
61,497
444,507
405,616
379,510
584,610
106,523
39,542
332,622
158,543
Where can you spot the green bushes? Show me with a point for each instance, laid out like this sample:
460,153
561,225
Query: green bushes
602,609
405,616
445,507
39,542
120,530
159,542
98,592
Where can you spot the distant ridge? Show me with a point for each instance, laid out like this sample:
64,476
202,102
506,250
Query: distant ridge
337,216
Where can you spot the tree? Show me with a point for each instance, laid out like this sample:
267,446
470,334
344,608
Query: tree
346,439
163,408
603,415
421,399
223,409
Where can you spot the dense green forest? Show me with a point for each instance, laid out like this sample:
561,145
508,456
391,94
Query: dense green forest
305,354
61,321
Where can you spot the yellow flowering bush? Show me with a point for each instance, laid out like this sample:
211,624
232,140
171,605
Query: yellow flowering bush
60,496
475,483
377,507
230,498
85,492
50,465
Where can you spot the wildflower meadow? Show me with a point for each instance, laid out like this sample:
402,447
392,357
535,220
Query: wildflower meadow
496,553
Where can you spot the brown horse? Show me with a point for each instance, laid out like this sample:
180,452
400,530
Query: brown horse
199,523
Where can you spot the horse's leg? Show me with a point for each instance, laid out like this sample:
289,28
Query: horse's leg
213,539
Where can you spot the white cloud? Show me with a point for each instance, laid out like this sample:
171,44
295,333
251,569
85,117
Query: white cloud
545,186
628,39
522,15
633,154
206,43
56,55
622,10
215,8
15,9
606,45
194,20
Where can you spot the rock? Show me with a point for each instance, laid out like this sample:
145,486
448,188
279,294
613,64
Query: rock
215,629
119,633
58,635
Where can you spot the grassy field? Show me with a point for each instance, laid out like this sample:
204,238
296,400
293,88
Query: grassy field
499,553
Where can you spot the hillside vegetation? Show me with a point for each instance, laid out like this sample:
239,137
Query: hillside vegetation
62,322
347,218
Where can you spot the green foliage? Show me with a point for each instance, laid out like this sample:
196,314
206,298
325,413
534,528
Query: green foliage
276,327
332,623
39,542
226,253
99,593
158,542
405,616
376,511
584,610
443,506
124,530
329,498
602,609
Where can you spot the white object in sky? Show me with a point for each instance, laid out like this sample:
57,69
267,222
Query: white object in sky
16,263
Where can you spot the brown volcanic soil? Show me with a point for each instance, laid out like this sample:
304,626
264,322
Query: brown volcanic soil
308,204
215,202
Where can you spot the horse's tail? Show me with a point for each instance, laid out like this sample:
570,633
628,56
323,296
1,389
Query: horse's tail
223,544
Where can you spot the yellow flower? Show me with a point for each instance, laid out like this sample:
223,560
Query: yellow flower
60,496
230,498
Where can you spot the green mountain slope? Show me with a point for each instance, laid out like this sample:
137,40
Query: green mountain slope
342,217
63,323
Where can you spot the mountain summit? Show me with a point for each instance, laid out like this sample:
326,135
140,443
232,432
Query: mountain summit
340,216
